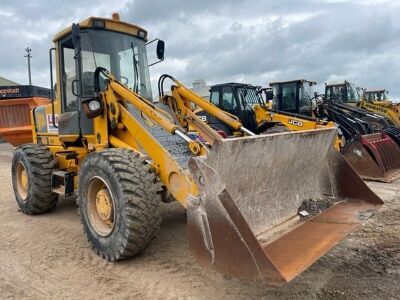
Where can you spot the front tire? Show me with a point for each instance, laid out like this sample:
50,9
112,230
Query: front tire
31,169
118,198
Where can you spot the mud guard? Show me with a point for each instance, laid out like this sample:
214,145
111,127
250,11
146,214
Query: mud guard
245,220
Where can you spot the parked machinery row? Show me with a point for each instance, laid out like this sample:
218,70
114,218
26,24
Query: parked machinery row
246,190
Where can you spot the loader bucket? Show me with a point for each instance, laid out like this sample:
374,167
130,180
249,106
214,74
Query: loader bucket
393,133
374,157
245,220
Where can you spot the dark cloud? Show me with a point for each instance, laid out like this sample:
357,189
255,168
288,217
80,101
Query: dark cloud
261,41
252,41
34,23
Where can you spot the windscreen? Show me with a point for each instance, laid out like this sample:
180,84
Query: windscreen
285,97
352,93
248,97
122,54
306,94
376,96
343,93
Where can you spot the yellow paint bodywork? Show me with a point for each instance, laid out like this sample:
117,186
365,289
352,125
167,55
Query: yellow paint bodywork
117,127
263,114
184,97
183,103
110,24
383,108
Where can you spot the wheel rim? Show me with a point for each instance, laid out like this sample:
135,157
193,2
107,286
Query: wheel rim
22,181
100,206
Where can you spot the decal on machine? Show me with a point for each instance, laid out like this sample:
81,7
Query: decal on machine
203,118
50,125
295,122
382,110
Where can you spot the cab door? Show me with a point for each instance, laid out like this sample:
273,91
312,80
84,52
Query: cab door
72,122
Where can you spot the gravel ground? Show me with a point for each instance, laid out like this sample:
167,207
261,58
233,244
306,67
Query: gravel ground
47,257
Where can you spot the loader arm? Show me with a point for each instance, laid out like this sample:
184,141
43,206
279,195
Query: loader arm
183,102
128,132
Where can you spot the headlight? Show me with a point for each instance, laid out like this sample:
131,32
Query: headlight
94,105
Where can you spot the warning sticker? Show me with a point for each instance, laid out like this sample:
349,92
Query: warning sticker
50,125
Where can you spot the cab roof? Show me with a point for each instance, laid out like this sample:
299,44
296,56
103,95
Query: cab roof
337,83
234,84
292,81
109,24
376,91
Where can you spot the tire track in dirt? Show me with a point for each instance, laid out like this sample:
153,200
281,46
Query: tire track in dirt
48,257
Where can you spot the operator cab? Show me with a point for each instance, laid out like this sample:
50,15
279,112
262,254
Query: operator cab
343,92
116,46
237,99
376,95
294,96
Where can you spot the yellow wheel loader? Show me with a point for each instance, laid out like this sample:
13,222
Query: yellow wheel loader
377,102
344,98
246,197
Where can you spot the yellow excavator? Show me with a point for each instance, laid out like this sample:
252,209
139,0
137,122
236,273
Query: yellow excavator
246,197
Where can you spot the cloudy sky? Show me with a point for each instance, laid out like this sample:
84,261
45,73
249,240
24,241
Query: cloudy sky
247,41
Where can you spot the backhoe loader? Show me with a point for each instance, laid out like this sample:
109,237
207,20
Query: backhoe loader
374,153
103,139
291,110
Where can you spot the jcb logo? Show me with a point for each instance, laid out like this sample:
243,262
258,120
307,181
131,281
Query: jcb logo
295,122
203,118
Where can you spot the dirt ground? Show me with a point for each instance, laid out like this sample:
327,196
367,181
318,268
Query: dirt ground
47,257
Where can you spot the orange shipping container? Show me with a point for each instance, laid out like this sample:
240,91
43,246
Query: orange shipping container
15,106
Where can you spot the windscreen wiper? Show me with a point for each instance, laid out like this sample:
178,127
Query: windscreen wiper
135,69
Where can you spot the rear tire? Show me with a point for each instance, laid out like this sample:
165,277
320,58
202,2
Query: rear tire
31,169
118,198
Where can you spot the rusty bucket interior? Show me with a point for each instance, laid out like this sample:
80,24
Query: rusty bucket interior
247,219
374,157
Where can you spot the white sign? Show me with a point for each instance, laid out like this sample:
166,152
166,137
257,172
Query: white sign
50,126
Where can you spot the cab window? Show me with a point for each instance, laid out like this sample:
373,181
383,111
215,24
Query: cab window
69,78
289,97
214,98
228,100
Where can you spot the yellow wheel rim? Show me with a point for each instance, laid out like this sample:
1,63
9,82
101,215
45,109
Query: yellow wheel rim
22,181
100,206
104,205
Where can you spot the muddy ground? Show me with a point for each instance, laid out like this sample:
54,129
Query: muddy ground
47,257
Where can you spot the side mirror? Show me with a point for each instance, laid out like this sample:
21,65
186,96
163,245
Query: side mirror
76,36
269,95
160,49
